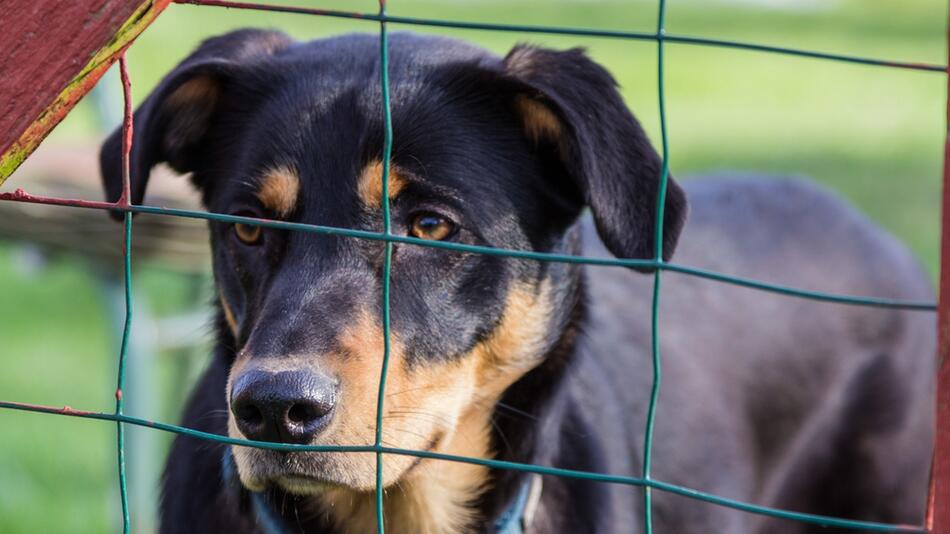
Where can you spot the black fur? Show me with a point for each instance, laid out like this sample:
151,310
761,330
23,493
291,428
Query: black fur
748,376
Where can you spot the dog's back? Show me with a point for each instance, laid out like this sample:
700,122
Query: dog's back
782,401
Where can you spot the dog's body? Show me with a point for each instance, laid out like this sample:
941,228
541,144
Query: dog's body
816,407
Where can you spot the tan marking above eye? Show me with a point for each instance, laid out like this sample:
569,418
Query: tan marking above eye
431,226
369,186
247,233
278,190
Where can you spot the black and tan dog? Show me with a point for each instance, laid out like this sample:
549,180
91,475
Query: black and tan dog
797,404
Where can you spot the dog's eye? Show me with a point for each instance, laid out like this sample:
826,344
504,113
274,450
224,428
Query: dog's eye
431,226
248,233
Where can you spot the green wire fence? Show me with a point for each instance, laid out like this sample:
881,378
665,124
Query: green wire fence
645,481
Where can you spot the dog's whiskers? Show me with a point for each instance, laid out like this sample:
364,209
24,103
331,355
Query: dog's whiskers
427,387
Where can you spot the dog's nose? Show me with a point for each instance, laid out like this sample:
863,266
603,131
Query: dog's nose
284,407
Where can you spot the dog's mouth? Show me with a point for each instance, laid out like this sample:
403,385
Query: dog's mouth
309,473
304,484
297,472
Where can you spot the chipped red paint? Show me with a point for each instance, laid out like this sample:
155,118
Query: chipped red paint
54,53
38,129
938,509
46,43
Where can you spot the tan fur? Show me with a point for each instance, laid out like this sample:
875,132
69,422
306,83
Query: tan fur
192,104
228,314
450,402
517,343
433,496
539,122
278,190
370,183
200,91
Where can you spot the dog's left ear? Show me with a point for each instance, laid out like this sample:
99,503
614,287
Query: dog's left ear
572,103
172,125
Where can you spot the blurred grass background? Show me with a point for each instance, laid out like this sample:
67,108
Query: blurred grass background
873,134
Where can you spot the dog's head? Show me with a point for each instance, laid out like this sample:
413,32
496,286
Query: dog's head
487,151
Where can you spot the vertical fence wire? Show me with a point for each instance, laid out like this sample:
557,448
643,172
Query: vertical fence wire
125,200
388,257
657,275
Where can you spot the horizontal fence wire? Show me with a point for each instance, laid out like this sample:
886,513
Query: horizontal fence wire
577,32
656,263
816,519
20,195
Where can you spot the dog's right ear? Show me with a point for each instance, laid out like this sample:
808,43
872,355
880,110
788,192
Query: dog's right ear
570,103
172,123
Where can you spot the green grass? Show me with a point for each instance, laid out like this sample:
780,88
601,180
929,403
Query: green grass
873,134
55,351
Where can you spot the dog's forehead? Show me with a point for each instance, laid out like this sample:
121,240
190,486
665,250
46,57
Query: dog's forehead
318,76
338,78
323,126
358,55
326,111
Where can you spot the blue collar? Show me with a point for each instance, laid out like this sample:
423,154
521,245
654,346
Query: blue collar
512,521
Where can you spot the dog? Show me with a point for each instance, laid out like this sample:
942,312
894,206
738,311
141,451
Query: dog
790,403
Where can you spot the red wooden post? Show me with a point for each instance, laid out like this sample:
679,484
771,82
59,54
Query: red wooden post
53,53
938,510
